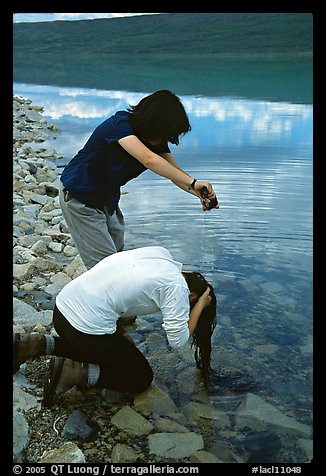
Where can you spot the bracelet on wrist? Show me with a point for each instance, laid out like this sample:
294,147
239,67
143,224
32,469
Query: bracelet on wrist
192,185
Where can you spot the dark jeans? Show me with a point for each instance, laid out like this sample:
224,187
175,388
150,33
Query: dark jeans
123,367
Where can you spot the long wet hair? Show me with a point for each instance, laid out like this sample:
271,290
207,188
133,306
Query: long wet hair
160,115
201,337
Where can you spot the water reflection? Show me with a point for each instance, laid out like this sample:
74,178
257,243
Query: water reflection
257,153
287,80
212,118
256,249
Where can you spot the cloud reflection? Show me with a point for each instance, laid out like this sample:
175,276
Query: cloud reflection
211,117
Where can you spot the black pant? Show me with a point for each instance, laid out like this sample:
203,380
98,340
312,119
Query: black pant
123,367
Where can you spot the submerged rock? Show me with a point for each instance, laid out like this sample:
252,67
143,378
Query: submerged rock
175,445
255,406
262,446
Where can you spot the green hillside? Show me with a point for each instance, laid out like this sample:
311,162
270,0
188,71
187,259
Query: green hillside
203,34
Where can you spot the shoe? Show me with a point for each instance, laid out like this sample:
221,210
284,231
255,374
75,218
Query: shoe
27,347
63,375
127,320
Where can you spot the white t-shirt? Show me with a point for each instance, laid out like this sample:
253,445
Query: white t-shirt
129,283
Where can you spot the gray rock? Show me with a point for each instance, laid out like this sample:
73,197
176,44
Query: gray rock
20,380
77,427
262,446
20,436
307,446
131,422
166,425
23,401
123,454
67,453
33,116
204,457
256,407
201,411
26,316
155,401
272,287
39,247
175,445
21,272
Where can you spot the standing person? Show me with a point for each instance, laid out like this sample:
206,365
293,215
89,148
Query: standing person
121,148
90,350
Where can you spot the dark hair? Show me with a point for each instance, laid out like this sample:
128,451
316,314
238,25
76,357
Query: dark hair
160,115
205,325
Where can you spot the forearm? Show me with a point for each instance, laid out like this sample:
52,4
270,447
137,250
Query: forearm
162,165
183,184
172,161
154,162
203,301
165,169
185,188
194,316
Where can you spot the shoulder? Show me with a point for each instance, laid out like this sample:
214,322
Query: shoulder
121,117
117,126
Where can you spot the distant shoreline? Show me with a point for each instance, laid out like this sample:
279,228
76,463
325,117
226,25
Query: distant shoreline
210,35
232,55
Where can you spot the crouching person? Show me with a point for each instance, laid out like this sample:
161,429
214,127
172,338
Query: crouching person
91,350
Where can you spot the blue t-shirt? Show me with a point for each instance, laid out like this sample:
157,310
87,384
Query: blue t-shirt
96,173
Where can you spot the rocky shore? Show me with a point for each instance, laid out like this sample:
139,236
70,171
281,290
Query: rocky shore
102,426
97,426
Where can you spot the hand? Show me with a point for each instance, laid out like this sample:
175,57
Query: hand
205,298
204,206
208,185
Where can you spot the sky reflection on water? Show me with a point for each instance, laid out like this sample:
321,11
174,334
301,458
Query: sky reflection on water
256,249
256,153
211,118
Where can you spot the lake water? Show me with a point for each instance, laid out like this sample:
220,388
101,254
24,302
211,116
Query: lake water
256,249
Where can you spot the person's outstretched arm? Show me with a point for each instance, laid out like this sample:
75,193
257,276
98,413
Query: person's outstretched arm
169,157
161,166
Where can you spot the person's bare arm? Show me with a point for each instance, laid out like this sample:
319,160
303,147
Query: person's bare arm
196,311
160,165
169,157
